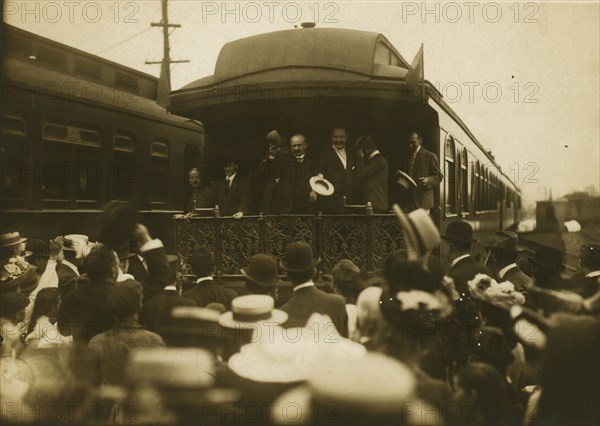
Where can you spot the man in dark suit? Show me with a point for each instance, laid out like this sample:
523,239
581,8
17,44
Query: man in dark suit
423,167
308,299
156,312
456,249
504,250
337,163
199,190
588,285
232,194
206,290
372,176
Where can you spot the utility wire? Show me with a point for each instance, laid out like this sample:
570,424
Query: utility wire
123,41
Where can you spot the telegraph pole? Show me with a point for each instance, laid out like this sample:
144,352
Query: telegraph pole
166,48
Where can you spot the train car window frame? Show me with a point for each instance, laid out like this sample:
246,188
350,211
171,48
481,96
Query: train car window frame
465,182
450,205
159,172
14,141
124,167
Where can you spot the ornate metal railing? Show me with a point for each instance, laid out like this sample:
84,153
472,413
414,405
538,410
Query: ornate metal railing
367,239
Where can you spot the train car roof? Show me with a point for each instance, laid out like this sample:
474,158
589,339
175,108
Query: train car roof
327,49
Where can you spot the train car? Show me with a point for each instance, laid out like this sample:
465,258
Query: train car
310,80
78,131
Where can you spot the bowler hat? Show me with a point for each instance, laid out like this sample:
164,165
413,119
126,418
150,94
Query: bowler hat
262,270
459,231
506,241
274,137
202,257
118,220
590,256
298,257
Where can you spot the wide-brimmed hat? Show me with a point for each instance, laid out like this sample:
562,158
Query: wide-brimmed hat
251,309
11,238
20,280
459,231
419,230
262,270
118,220
404,180
506,241
321,186
289,355
298,257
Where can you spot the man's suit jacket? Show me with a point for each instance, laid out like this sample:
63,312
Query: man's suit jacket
206,292
238,198
196,199
462,272
158,274
292,193
306,301
67,277
157,311
426,165
372,182
519,279
332,168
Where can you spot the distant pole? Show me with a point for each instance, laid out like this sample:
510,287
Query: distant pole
166,47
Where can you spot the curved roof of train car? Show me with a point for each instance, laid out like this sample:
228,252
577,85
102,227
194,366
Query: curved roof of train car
49,85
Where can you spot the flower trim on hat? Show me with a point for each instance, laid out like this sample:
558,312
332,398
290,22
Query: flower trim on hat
15,267
503,294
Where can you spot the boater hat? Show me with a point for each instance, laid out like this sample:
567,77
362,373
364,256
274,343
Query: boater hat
11,238
418,229
321,186
251,309
405,181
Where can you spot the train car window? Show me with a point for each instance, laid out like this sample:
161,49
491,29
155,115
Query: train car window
127,82
18,46
88,69
481,192
51,57
14,130
71,134
124,167
465,182
86,174
450,172
159,172
55,172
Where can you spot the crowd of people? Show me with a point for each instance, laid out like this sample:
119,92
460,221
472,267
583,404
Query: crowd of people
102,332
289,180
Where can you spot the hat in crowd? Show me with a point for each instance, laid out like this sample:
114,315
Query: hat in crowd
299,257
118,221
459,231
366,142
10,303
173,261
506,241
78,243
125,299
374,389
217,307
202,257
420,232
192,326
19,277
289,355
262,270
548,257
274,137
321,186
250,309
404,180
590,256
99,261
10,239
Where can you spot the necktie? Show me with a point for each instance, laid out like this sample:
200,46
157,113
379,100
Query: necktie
300,159
229,180
411,165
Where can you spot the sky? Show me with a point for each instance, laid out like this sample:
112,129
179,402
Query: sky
523,76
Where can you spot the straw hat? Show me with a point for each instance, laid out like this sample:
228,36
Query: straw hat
321,186
252,309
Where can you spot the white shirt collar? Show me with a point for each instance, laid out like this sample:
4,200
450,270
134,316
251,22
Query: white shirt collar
170,287
305,285
373,154
504,270
199,280
593,274
458,259
230,178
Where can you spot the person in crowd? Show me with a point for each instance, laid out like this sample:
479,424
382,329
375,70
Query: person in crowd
588,285
505,248
346,284
42,330
206,289
232,193
337,163
548,265
570,375
299,168
301,268
481,395
199,190
124,301
261,276
12,314
423,168
371,175
11,246
156,312
456,249
371,328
